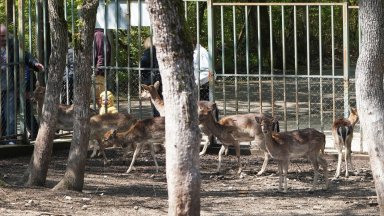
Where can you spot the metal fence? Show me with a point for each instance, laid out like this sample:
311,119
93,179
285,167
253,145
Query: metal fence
286,59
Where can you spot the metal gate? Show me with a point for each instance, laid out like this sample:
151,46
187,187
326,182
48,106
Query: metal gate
291,60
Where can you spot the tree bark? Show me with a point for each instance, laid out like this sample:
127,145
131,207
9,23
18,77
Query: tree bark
370,101
174,54
74,174
38,167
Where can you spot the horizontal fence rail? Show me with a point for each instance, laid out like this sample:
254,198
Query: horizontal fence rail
292,60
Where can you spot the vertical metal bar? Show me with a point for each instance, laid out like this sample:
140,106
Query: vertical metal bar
321,71
259,58
296,65
247,57
223,58
308,68
346,57
284,66
211,49
105,52
15,67
139,56
198,48
46,39
116,71
272,69
129,102
333,65
21,66
186,10
235,59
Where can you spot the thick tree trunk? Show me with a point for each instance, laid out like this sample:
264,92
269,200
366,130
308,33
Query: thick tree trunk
74,175
38,166
370,101
174,53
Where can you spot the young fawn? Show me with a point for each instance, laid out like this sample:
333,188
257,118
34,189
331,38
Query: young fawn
342,131
151,92
222,133
298,143
248,130
143,132
101,124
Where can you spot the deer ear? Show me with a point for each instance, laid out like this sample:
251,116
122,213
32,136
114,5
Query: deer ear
258,120
145,87
157,84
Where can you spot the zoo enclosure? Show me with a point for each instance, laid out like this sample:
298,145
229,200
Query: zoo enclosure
293,60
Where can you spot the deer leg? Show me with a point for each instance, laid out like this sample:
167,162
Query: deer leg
346,162
101,150
340,156
154,157
315,164
348,158
265,163
237,149
285,172
137,151
204,149
222,149
324,165
280,168
94,147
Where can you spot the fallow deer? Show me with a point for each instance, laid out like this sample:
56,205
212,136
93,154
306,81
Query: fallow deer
222,133
298,143
101,124
151,92
248,130
342,131
143,132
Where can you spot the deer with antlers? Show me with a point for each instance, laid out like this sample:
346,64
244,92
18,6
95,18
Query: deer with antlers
298,143
342,131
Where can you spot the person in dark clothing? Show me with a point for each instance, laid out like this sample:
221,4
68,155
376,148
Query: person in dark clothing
101,58
8,91
150,74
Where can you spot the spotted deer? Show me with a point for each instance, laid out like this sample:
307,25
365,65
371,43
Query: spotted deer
342,131
284,146
151,92
99,124
65,112
222,133
143,132
248,130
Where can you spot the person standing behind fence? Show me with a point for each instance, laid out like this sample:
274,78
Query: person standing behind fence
148,76
100,57
8,115
201,70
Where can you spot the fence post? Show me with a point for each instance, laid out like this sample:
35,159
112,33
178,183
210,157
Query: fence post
346,57
211,50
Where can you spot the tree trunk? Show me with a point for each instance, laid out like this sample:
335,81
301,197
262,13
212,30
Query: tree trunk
74,174
370,101
174,54
38,166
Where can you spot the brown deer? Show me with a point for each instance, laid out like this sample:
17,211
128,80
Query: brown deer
101,124
222,133
298,143
342,131
151,92
65,112
143,132
248,130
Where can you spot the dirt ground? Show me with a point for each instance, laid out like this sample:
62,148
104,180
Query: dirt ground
109,191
